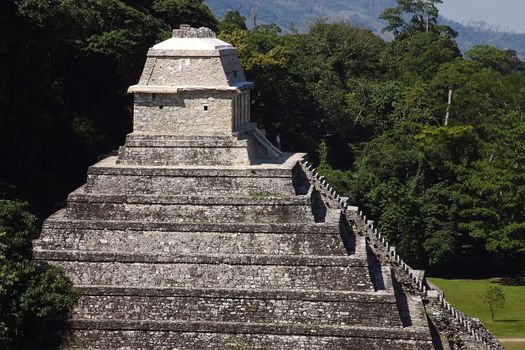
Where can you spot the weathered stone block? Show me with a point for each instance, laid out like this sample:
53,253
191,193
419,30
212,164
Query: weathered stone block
188,113
213,275
189,208
176,243
92,335
108,177
60,220
373,311
174,156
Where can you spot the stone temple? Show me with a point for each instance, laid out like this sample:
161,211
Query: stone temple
200,234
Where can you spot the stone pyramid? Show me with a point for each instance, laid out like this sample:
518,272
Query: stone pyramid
201,234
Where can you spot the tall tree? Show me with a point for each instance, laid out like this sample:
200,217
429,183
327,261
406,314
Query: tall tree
411,15
192,12
232,21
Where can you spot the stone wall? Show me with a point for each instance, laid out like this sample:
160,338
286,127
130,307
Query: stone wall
189,208
213,275
364,310
206,182
180,156
222,69
176,243
257,339
185,113
241,110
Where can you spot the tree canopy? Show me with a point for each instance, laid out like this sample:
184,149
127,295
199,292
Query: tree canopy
411,15
447,193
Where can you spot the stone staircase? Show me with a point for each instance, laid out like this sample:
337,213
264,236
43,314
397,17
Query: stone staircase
163,266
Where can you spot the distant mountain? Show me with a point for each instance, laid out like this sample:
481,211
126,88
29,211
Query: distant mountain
299,14
303,12
475,35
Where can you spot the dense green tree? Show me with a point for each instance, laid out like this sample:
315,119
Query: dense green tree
480,93
492,201
420,55
411,15
177,12
232,21
330,59
31,296
503,61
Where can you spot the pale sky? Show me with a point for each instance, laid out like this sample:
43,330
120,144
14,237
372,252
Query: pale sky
509,14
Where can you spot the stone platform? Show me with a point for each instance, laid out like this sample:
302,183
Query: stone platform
160,260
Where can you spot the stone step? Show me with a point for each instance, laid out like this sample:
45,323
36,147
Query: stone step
231,259
59,232
145,137
222,305
193,208
183,155
175,243
109,178
185,335
152,140
60,220
220,142
241,271
154,150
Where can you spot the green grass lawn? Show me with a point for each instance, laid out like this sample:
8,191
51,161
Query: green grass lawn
514,346
467,296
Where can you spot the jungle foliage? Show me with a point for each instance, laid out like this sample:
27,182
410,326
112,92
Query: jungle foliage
446,183
32,296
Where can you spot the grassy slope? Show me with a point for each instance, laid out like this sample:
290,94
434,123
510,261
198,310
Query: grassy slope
514,346
467,296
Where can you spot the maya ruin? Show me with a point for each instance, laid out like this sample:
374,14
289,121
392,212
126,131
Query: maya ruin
200,234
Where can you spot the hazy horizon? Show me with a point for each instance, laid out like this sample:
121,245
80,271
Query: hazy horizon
505,14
